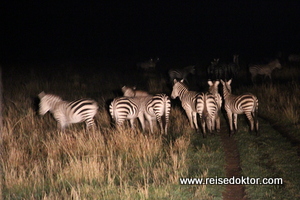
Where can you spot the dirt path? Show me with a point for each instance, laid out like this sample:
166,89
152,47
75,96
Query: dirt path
232,168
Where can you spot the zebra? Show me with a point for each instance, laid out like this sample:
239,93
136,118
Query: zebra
150,64
66,113
223,70
132,92
157,107
265,70
207,109
181,73
232,68
240,104
122,108
213,89
188,101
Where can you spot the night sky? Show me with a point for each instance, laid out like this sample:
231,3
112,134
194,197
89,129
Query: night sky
45,31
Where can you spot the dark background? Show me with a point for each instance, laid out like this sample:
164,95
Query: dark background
114,30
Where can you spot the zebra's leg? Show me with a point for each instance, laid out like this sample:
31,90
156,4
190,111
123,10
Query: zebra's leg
203,126
131,124
90,124
142,120
229,115
166,123
235,122
158,118
209,124
61,126
189,115
217,122
251,120
150,120
212,124
194,114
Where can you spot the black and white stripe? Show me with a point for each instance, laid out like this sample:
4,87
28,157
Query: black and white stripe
67,113
240,104
265,70
188,101
207,108
214,90
157,107
181,73
127,108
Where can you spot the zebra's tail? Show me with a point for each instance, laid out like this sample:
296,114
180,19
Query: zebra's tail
255,114
167,105
205,116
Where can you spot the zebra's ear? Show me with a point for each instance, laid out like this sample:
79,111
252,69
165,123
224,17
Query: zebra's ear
229,82
175,81
41,95
181,80
210,83
222,82
134,87
217,83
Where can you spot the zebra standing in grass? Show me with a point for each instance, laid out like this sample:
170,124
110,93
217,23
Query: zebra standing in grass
150,64
232,68
158,107
181,73
188,101
123,108
67,113
240,104
207,108
213,89
265,70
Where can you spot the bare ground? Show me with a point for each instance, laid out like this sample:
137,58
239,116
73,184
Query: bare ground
232,159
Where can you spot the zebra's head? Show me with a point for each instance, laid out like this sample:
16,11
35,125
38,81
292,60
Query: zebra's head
47,102
227,85
128,91
177,88
215,62
213,86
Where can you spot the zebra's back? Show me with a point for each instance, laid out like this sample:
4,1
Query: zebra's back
67,113
240,104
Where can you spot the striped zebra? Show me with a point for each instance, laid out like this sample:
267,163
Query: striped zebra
181,73
213,89
132,92
150,64
158,107
240,104
66,113
265,70
123,108
207,108
188,101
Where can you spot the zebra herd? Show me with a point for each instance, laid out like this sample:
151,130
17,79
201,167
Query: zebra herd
138,104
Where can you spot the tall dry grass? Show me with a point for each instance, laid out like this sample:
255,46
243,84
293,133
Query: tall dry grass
43,163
